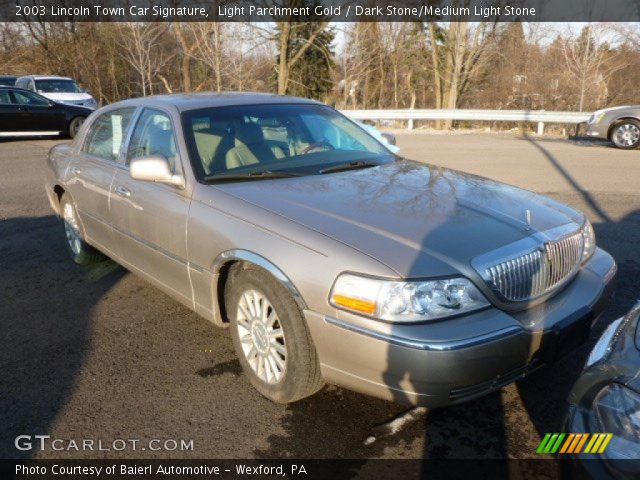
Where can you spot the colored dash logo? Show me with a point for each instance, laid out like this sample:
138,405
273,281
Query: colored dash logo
574,443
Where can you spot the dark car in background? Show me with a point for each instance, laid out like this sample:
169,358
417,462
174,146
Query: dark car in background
24,113
606,400
8,80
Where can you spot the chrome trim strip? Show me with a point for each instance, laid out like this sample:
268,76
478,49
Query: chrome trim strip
431,346
251,257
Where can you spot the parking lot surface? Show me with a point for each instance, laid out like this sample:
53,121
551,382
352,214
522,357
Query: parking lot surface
100,354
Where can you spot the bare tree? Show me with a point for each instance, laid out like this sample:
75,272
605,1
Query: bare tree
459,52
139,47
587,61
208,41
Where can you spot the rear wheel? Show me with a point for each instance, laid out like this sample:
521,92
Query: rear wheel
81,252
270,336
74,126
626,134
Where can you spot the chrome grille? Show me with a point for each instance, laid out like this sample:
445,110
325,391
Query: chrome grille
537,272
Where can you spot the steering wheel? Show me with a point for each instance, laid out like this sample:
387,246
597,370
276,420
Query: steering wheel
315,145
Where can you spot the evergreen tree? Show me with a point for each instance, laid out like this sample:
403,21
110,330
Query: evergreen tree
312,76
305,56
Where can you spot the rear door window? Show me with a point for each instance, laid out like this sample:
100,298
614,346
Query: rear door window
107,133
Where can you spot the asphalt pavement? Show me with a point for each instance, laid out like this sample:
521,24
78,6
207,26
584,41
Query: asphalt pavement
100,354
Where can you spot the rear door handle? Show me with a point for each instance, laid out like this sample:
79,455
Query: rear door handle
75,170
123,192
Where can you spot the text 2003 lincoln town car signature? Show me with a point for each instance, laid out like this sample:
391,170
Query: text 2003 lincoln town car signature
332,259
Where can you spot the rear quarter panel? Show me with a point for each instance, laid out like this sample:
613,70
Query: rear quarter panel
56,171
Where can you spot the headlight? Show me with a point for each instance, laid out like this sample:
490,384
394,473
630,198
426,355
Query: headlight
603,346
618,412
596,117
398,301
589,241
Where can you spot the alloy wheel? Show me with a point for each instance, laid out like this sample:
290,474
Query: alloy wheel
261,336
71,228
626,135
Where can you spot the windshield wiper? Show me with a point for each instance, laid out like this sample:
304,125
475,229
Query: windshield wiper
348,166
250,176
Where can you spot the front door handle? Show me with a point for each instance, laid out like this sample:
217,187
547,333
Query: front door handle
75,170
123,192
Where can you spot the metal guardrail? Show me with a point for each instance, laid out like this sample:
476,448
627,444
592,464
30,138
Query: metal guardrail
539,116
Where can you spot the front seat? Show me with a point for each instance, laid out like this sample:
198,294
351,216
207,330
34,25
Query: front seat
250,147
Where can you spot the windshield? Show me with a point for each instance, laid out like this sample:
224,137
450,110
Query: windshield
57,86
296,138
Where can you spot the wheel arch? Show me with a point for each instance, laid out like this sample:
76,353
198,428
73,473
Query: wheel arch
220,269
617,122
56,198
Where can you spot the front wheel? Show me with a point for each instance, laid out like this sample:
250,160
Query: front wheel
270,336
74,126
81,252
626,134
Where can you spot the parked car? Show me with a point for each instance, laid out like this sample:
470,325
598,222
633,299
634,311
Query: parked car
606,399
7,80
620,125
25,113
58,89
386,138
330,258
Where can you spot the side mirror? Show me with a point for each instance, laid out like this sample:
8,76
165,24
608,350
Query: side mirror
389,137
154,168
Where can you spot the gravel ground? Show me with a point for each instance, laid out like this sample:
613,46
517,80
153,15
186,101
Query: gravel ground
100,354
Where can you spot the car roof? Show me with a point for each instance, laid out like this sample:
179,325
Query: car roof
192,101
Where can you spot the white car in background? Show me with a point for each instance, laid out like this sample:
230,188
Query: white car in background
59,89
387,139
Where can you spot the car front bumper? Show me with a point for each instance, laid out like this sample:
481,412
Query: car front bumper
455,360
597,130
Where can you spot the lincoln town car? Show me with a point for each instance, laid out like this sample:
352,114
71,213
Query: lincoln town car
330,258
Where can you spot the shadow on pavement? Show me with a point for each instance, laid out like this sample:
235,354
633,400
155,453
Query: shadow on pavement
477,429
45,323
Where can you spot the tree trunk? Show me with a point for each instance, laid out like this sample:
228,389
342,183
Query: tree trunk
283,61
185,69
435,60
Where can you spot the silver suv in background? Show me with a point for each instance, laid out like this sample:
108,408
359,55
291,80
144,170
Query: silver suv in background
621,125
59,89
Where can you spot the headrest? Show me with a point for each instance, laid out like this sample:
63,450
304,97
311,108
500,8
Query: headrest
249,133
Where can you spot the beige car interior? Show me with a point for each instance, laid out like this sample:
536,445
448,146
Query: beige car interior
220,150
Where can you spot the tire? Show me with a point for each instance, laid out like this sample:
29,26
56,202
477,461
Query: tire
626,134
74,126
81,252
293,366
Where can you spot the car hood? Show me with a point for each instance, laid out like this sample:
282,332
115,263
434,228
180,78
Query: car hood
419,220
66,96
620,109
